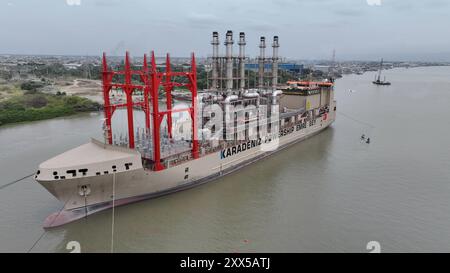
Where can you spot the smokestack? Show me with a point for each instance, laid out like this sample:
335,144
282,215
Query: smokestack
229,60
242,59
215,60
262,48
275,60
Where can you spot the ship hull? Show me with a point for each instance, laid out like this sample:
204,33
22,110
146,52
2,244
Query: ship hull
381,83
140,184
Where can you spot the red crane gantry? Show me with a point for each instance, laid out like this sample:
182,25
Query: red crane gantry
150,81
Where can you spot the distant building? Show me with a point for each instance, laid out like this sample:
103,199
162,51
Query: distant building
291,67
323,68
72,65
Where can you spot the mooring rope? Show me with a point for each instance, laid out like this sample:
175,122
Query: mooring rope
15,181
356,120
35,243
45,231
113,205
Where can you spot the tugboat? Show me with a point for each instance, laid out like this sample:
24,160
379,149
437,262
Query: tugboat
378,80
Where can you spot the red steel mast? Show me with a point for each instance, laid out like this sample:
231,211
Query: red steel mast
151,80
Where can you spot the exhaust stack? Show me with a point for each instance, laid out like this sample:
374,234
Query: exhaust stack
229,60
275,60
262,49
215,60
242,60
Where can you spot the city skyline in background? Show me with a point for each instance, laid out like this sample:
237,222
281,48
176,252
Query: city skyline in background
398,30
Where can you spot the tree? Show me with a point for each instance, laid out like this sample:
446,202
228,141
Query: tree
31,85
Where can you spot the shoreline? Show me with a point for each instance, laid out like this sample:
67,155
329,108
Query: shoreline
35,105
31,122
96,95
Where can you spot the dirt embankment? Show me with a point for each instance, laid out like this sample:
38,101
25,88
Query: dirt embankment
91,89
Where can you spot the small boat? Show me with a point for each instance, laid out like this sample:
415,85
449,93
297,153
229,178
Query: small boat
378,80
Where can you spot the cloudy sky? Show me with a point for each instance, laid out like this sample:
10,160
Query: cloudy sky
308,29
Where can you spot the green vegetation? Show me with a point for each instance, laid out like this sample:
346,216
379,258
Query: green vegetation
35,105
31,85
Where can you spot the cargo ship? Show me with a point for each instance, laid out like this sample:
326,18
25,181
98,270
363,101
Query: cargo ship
223,128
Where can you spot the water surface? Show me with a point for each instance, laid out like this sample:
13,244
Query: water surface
329,193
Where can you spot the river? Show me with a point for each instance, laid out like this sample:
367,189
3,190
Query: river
330,193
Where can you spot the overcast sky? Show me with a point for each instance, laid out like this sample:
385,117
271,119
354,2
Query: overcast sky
308,29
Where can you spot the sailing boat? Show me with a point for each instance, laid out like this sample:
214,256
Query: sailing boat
378,80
